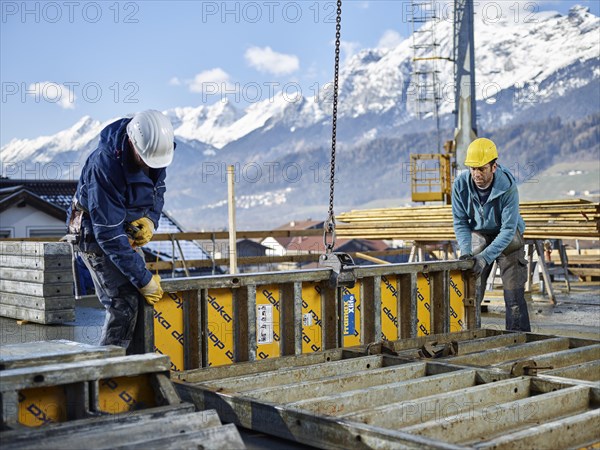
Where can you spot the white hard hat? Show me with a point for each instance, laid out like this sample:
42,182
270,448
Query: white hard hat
152,136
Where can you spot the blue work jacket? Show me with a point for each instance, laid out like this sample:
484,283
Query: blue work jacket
114,192
498,216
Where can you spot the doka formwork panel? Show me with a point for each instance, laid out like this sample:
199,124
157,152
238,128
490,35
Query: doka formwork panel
37,249
64,391
227,319
36,276
427,404
52,263
165,423
38,302
32,289
195,429
38,315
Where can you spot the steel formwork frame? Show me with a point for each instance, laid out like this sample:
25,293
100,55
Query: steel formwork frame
389,396
219,315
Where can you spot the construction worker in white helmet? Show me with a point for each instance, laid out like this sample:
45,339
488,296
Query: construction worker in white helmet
115,211
488,227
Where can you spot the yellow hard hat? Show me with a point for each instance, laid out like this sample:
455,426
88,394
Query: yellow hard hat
480,152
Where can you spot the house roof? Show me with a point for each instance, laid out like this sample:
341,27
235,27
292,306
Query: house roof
57,192
18,195
298,225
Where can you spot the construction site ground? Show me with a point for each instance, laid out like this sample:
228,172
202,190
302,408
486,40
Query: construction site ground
576,314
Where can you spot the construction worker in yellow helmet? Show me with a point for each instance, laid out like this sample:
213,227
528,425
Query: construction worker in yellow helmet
488,227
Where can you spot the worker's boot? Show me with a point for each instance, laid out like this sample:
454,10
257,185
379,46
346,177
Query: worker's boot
517,316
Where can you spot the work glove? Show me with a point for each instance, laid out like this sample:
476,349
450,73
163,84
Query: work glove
145,231
479,265
152,291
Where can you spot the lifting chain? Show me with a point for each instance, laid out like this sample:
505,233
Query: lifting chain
329,227
341,264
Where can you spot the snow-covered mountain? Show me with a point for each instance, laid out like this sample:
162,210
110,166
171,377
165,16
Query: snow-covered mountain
548,66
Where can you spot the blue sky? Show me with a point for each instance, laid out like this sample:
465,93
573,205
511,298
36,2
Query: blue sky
61,60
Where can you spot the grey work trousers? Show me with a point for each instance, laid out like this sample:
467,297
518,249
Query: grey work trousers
118,295
513,271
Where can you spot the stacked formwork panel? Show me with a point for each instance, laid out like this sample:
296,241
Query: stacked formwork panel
36,282
495,390
62,394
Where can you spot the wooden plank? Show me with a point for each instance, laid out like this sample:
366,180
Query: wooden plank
46,289
37,315
36,276
65,373
34,302
39,353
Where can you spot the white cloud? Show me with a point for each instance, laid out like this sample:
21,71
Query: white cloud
54,93
269,61
174,81
390,39
349,49
210,81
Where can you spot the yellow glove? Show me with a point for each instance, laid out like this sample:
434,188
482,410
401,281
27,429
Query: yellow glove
146,230
152,291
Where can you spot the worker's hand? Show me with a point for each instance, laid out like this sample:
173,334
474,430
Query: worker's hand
479,265
152,291
146,230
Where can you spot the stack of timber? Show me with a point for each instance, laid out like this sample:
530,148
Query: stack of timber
560,219
63,394
36,282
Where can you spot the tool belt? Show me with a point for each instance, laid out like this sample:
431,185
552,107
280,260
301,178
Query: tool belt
75,226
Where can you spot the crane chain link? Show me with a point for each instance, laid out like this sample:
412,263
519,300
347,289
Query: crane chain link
329,227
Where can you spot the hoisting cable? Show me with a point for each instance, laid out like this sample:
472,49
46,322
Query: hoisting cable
329,226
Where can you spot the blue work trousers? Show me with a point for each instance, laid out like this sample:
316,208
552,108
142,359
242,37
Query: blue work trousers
120,298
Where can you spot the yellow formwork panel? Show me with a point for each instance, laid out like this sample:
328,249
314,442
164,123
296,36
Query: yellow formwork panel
389,308
268,329
168,329
351,315
423,305
41,406
220,327
457,306
122,394
312,333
